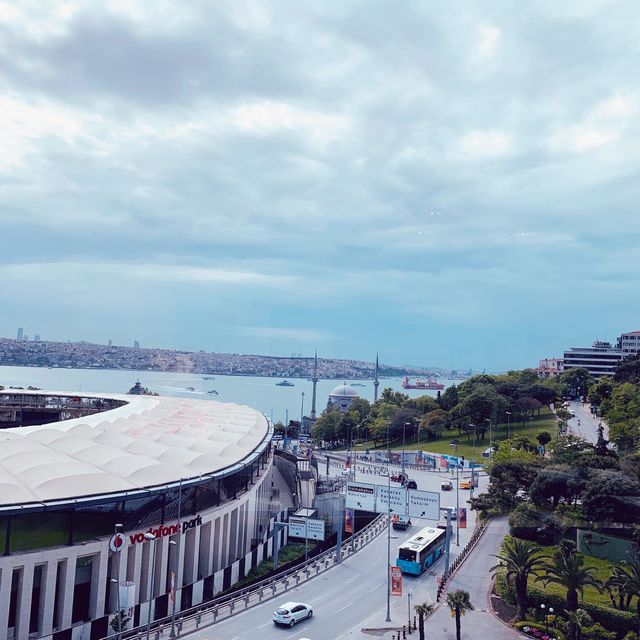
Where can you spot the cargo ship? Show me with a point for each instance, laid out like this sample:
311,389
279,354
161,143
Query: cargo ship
431,384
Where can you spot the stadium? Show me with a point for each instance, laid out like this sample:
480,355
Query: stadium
117,502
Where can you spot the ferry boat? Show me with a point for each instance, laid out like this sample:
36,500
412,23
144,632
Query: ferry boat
212,392
285,383
430,384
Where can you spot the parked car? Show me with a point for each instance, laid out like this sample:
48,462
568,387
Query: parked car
446,485
398,477
410,484
291,612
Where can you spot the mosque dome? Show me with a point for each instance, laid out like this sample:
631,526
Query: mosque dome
343,391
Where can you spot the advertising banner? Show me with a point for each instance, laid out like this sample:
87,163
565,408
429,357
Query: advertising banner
361,496
396,581
462,518
391,500
172,593
348,520
424,504
306,528
443,463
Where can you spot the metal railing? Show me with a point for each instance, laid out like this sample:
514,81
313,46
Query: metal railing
225,606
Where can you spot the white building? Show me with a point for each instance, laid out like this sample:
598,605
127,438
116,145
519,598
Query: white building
196,474
342,396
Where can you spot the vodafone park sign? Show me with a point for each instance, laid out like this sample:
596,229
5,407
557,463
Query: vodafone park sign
118,540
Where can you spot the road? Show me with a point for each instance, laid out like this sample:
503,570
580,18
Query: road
352,595
474,576
584,424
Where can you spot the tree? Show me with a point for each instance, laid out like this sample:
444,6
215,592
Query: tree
578,619
434,423
425,404
611,496
544,438
519,559
567,569
424,611
394,397
459,603
120,621
575,382
625,579
628,370
449,398
362,407
555,483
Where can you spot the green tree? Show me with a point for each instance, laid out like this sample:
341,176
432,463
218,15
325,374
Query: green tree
390,396
425,404
611,496
625,578
449,398
434,423
459,603
519,559
544,438
575,382
578,620
362,407
568,570
424,611
628,370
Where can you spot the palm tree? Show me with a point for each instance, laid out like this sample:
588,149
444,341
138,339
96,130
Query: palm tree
577,620
625,580
520,558
423,611
567,569
459,603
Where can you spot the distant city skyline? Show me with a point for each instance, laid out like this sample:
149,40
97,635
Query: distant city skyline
453,187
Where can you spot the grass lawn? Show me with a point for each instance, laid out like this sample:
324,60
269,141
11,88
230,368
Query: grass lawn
603,572
544,422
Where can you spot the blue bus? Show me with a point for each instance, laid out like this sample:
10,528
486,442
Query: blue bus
421,551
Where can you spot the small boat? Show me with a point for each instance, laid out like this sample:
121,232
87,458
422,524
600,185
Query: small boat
212,392
285,383
190,389
358,384
208,377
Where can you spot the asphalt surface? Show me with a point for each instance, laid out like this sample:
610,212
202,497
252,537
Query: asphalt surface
584,424
352,595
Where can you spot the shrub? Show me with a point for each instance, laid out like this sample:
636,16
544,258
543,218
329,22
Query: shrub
631,636
611,619
597,632
535,630
505,590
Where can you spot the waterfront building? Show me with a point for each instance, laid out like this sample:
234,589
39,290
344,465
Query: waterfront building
629,343
600,359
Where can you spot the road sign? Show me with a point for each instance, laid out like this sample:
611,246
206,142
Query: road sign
361,496
424,504
391,500
306,528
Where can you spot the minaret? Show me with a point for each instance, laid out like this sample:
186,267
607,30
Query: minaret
314,379
376,382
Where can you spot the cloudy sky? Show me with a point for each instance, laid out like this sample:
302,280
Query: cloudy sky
448,183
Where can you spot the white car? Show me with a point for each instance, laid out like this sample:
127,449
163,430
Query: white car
291,612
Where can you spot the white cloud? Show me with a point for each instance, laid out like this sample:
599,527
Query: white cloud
490,143
488,38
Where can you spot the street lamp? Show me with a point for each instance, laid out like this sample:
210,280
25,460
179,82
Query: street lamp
118,529
172,633
490,439
458,501
388,618
546,616
409,594
302,414
151,537
403,430
508,423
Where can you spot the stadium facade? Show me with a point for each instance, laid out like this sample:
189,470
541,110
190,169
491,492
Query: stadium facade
139,502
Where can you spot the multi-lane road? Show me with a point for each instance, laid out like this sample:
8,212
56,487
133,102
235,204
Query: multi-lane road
352,595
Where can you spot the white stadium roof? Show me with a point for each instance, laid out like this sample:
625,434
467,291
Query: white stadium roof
149,441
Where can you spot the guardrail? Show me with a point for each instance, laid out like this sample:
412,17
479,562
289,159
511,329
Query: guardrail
224,607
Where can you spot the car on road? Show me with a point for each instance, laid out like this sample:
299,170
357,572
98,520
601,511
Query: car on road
291,612
466,484
401,522
398,477
410,484
446,485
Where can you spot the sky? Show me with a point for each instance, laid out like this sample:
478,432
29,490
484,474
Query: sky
449,184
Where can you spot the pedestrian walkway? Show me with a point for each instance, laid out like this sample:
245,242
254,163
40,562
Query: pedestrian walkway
474,576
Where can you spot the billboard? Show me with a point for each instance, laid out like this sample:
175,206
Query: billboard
306,528
361,496
391,500
462,518
396,581
348,520
424,504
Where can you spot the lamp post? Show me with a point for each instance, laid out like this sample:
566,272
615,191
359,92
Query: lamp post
173,634
149,537
388,618
546,616
404,426
490,438
409,594
508,423
302,413
458,503
118,529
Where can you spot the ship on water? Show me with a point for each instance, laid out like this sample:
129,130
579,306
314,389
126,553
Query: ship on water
284,383
431,384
